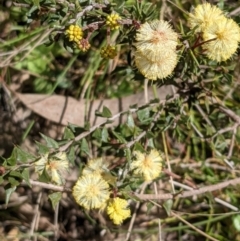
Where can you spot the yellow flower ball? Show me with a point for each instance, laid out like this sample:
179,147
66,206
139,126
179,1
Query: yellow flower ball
156,70
223,38
155,39
149,166
204,15
117,210
91,191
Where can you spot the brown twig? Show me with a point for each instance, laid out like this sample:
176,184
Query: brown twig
50,186
190,193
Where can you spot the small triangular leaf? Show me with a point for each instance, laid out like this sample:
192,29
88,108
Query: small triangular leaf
55,198
168,206
84,146
50,142
9,192
25,176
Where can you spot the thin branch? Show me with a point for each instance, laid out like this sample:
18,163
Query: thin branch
50,186
113,118
231,114
190,193
167,159
216,199
134,215
174,214
193,227
164,196
232,141
35,220
56,227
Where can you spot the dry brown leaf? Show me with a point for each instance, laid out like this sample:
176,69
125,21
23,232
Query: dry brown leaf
64,110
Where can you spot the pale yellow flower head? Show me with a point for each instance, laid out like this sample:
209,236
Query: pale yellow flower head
156,70
56,167
95,166
41,163
155,39
204,15
225,36
149,166
91,191
117,210
99,166
156,55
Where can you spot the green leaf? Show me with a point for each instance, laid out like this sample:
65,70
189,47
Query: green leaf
15,174
119,137
149,207
84,146
50,142
1,180
71,155
25,176
143,114
9,192
55,198
42,149
105,113
68,134
44,177
97,134
36,3
139,147
13,181
236,222
105,134
23,156
130,121
127,154
168,206
12,160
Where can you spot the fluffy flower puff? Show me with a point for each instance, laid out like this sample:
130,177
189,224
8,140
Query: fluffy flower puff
118,211
99,166
204,15
155,39
95,166
159,69
147,165
56,166
223,37
91,191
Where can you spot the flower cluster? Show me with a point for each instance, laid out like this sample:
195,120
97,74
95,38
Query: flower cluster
155,54
108,52
74,33
112,21
91,191
84,45
149,166
56,166
220,34
118,211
